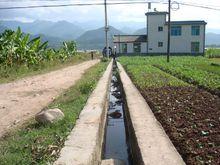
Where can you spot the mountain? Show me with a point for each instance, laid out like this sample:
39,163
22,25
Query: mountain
95,39
212,39
64,29
53,42
37,27
60,29
11,24
127,30
140,31
2,28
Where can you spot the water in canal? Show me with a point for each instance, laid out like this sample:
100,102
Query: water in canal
116,145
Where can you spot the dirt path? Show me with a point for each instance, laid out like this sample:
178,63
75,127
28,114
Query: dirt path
22,99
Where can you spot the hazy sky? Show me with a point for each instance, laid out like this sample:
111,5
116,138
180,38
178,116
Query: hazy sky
117,13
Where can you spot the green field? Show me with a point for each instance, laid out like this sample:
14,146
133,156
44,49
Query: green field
21,56
199,71
212,53
34,143
183,96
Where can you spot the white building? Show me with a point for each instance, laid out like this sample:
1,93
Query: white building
129,44
187,37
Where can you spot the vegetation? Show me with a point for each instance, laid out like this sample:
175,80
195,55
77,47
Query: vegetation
188,114
150,76
17,49
213,53
21,56
193,70
40,144
201,78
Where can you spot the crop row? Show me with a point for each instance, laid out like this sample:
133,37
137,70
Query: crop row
193,70
213,53
201,78
149,76
200,63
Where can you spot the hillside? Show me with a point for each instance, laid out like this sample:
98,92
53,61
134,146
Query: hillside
212,39
60,29
140,31
53,42
2,28
95,39
64,29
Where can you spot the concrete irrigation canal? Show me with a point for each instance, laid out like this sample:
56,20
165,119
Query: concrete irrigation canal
116,140
117,127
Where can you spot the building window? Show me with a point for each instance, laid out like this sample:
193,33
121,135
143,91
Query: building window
195,30
137,47
160,28
124,47
195,47
176,30
160,44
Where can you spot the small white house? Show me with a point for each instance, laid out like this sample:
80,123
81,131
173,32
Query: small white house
129,44
186,37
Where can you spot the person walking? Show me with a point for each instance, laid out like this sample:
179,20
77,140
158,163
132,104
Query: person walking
114,52
104,52
92,55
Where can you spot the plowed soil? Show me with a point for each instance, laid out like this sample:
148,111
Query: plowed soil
191,118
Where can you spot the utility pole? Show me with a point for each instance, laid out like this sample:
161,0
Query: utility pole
168,43
106,29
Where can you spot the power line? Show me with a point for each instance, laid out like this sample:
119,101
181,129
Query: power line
116,2
152,1
69,5
199,6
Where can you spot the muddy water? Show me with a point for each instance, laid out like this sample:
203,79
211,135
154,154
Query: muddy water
116,145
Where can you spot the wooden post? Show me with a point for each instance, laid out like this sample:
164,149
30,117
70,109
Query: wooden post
168,42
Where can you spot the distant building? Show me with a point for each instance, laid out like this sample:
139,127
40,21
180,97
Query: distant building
128,44
187,37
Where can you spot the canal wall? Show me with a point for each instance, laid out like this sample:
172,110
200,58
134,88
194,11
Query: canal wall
149,143
84,144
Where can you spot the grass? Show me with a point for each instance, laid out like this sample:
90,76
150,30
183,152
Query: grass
14,73
212,53
40,144
215,60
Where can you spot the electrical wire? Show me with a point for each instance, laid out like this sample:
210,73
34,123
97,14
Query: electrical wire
69,5
116,2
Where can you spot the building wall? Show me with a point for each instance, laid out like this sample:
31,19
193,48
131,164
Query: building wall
153,21
179,44
130,47
182,44
144,47
117,47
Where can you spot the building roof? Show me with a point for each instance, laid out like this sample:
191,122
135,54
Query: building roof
187,22
156,13
129,38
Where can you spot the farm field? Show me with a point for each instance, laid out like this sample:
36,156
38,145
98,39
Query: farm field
212,52
184,96
21,56
34,143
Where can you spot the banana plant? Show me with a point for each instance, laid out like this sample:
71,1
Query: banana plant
16,48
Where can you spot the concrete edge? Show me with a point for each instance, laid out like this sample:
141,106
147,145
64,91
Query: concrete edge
149,142
85,142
